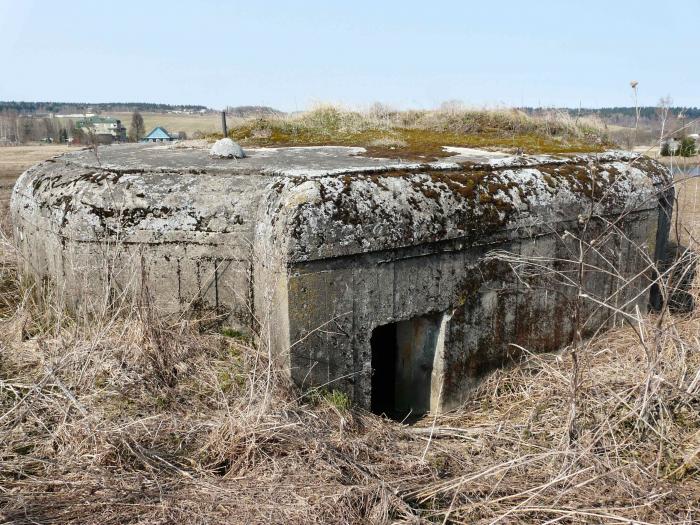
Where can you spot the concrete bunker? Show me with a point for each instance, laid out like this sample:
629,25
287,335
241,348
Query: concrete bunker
347,264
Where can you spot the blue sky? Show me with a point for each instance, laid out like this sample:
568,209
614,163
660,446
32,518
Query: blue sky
404,53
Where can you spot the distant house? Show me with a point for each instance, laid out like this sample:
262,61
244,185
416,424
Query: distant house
159,134
105,129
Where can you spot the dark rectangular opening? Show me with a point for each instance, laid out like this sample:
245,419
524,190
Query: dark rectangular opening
383,343
402,365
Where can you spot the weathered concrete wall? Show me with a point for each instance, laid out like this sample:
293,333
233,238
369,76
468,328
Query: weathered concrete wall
365,251
95,231
315,248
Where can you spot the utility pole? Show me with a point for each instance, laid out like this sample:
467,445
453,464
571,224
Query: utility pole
223,123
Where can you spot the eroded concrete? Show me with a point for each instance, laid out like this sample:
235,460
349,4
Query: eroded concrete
315,248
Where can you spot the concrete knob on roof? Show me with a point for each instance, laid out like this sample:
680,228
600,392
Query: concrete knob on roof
226,149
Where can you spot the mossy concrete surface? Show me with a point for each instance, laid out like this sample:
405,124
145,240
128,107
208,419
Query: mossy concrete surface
315,248
414,144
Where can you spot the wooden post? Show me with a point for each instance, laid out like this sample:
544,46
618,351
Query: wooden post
223,123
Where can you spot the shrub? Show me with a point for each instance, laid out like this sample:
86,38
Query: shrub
688,148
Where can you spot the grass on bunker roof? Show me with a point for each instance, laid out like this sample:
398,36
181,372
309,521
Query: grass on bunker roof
126,418
422,134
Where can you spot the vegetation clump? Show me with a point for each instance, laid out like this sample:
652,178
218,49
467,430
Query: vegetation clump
422,134
685,147
688,147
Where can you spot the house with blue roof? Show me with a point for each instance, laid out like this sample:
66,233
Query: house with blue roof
159,134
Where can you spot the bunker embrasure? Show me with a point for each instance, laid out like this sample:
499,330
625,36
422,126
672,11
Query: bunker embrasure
429,274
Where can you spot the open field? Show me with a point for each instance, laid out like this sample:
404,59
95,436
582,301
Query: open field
207,123
121,417
15,159
688,209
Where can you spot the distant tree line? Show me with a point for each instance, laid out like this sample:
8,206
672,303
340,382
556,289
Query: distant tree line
29,108
649,116
645,112
16,128
252,111
655,124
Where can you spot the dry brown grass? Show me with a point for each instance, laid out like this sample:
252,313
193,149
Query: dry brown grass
114,420
127,418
